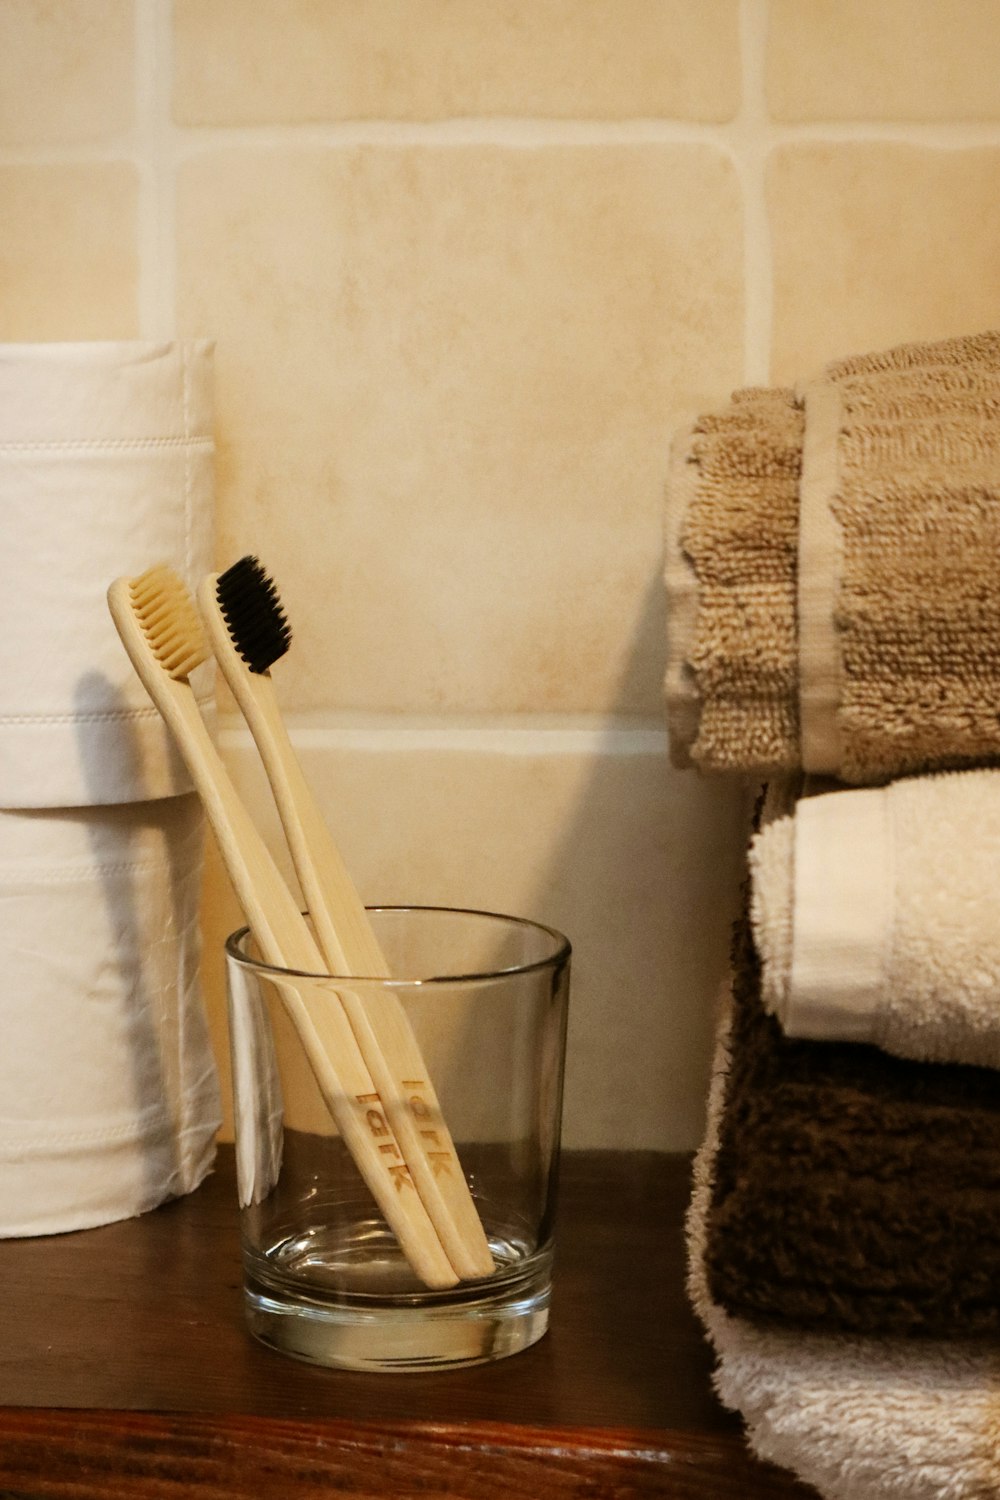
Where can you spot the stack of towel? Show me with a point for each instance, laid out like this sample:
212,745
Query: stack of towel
852,1190
834,619
860,1417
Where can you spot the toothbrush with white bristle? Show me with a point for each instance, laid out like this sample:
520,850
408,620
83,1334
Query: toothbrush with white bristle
249,632
162,633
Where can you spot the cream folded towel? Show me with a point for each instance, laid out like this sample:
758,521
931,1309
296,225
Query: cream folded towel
830,570
859,1418
874,912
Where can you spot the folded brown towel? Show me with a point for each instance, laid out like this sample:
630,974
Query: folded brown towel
831,560
853,1190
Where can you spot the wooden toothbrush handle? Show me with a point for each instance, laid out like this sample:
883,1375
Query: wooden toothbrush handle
380,1022
286,942
327,1037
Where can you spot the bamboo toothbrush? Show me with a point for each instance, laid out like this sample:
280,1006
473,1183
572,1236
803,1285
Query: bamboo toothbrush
249,632
159,626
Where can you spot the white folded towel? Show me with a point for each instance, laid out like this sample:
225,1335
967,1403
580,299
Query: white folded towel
109,1099
859,1418
105,468
875,914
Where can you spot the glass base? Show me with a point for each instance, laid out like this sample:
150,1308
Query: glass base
440,1337
305,1298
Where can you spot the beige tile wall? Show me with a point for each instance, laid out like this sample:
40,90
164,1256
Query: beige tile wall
467,263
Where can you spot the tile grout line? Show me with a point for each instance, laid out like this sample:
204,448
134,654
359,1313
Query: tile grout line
567,738
752,145
532,132
156,232
168,142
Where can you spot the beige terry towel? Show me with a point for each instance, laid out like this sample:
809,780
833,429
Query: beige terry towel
831,571
732,534
874,911
859,1418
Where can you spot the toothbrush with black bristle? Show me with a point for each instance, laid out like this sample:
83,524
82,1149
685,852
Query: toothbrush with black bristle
249,632
156,618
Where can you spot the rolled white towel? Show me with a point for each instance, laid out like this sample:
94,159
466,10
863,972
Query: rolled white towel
106,453
109,1099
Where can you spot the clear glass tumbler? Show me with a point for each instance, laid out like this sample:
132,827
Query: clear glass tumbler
485,1000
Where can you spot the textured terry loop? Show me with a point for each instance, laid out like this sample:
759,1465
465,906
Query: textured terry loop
901,590
844,1229
739,534
918,606
859,1417
973,349
853,1191
922,982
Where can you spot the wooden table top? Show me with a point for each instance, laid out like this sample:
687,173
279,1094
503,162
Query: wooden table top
126,1369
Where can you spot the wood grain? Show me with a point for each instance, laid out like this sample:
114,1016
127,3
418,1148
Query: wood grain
108,1330
97,1456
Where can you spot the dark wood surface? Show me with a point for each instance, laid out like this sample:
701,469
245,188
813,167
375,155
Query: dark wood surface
126,1370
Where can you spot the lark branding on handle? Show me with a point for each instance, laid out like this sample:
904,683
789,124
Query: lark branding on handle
159,626
249,631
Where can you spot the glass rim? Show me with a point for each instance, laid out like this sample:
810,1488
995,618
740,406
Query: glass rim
557,959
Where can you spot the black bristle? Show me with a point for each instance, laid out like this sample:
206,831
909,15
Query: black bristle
252,609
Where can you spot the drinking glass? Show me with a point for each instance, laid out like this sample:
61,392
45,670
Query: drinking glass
485,998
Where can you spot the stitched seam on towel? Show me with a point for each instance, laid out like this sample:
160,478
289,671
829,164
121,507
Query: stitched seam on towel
98,715
842,915
68,874
132,1130
99,445
819,573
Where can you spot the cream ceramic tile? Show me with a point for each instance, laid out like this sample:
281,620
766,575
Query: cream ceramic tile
878,243
445,380
637,864
896,60
261,61
68,266
66,70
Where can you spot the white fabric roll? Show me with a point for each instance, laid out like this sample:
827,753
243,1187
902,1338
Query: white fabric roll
105,469
109,1100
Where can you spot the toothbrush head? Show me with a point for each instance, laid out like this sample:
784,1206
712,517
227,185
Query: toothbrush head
166,613
251,607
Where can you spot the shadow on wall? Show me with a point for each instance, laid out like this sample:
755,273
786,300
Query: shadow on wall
591,832
646,870
642,876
